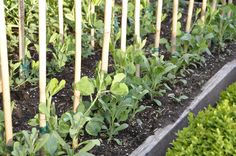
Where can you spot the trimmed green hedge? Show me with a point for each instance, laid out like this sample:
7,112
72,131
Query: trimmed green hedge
212,132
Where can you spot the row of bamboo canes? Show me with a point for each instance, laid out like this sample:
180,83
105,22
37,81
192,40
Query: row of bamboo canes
109,4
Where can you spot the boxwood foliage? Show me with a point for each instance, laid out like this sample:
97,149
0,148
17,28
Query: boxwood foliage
212,132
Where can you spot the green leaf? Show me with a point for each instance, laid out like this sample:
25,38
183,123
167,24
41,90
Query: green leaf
84,154
118,78
93,127
108,80
54,86
131,68
1,116
43,109
63,127
89,144
70,17
119,89
209,36
18,150
51,145
60,140
186,37
41,142
158,102
85,86
121,127
118,141
183,97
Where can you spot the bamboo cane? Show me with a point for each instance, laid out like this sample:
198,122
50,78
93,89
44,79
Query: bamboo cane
137,30
0,78
124,24
158,24
230,13
107,34
190,15
174,24
61,20
21,30
137,20
203,11
5,77
214,5
92,30
21,13
42,59
78,31
113,24
223,4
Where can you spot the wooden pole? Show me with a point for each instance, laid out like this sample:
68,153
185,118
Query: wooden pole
214,5
107,34
174,24
158,24
21,30
61,20
190,15
137,20
223,4
0,78
137,30
42,59
230,13
203,11
78,50
5,77
92,30
124,24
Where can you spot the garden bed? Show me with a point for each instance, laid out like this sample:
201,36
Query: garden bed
155,117
158,143
152,118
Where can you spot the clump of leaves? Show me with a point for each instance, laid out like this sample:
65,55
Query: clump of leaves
57,129
212,132
109,93
3,147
